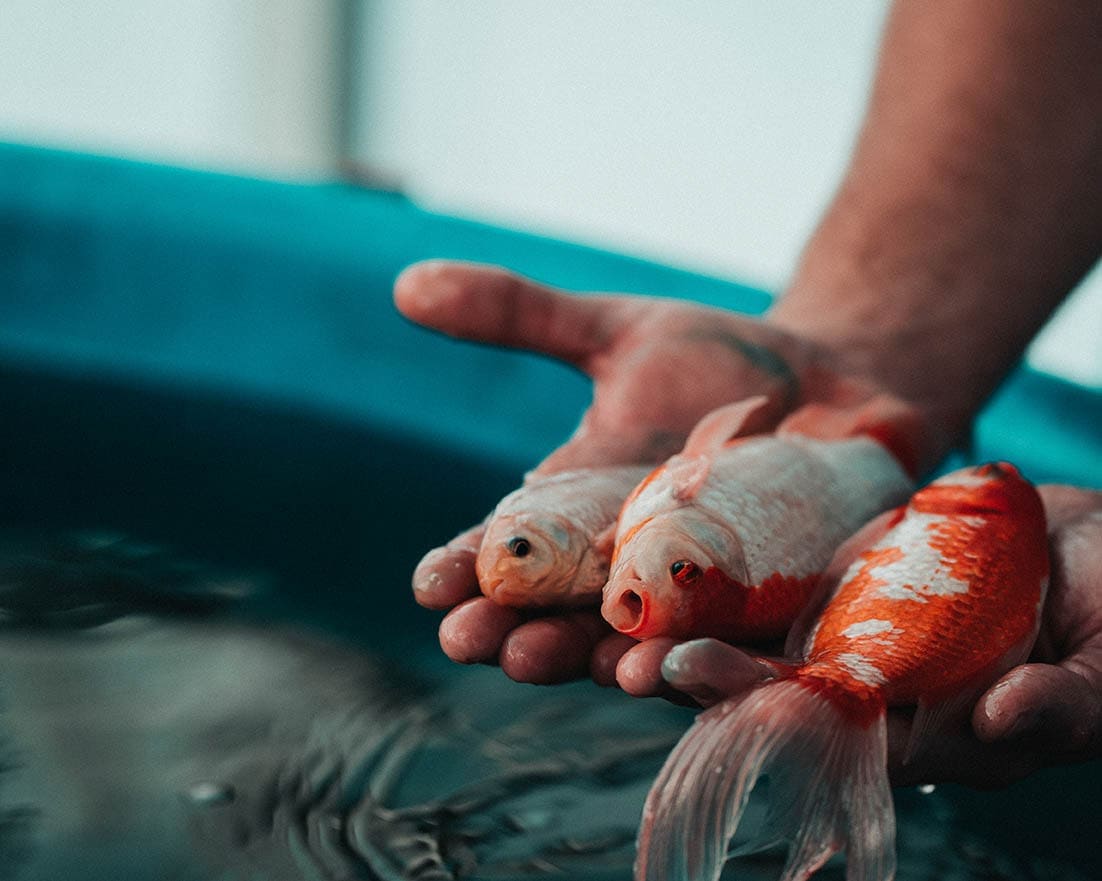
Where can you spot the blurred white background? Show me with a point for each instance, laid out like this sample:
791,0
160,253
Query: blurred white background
708,135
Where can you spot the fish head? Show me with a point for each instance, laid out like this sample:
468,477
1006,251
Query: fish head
995,488
663,575
539,559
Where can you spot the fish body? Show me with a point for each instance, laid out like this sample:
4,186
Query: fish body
728,539
549,543
933,603
968,556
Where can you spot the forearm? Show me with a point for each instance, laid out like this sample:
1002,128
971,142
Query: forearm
972,205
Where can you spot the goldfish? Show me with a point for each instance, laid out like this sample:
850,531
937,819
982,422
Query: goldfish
729,537
932,604
549,543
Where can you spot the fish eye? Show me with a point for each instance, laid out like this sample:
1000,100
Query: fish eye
519,547
684,571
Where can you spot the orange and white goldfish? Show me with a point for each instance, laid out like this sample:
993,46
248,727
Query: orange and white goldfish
729,538
933,602
549,543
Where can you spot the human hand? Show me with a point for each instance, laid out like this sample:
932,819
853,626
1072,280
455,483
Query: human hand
1046,712
657,367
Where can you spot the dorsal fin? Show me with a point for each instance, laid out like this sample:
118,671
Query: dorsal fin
723,424
690,468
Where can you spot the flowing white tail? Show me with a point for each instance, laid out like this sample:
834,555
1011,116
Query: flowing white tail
825,760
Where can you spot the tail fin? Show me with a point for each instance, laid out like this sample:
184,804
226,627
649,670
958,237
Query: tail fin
828,787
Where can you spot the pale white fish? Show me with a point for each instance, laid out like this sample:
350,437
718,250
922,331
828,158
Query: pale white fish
549,543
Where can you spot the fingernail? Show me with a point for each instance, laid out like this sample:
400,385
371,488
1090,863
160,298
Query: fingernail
681,662
428,582
991,705
674,661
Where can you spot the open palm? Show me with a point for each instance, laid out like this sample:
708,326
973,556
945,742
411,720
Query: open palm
657,367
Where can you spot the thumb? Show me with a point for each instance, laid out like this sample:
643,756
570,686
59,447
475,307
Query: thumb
1057,709
491,305
710,670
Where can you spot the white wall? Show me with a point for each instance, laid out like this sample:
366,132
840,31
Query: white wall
243,85
707,134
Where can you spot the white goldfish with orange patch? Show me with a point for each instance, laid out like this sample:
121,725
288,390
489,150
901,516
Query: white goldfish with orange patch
729,537
930,604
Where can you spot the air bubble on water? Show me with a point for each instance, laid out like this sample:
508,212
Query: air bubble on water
927,788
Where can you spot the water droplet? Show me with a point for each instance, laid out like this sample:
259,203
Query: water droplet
208,794
927,788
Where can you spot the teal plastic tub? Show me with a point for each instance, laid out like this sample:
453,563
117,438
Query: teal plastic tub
213,365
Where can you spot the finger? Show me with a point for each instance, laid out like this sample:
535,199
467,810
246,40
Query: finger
490,305
606,656
639,671
1066,503
474,632
445,576
553,649
710,670
1057,710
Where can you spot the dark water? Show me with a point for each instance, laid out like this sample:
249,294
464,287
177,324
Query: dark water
152,732
210,668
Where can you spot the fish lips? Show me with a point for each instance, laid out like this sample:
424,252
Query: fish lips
635,609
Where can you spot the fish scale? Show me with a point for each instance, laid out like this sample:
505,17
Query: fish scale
954,596
801,495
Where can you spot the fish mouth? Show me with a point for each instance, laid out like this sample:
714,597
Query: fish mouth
503,596
516,596
626,611
490,588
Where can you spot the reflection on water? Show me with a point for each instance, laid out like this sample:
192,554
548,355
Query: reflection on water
153,727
